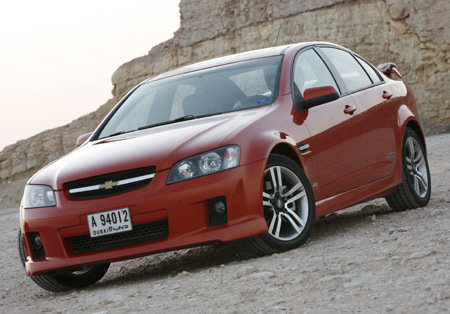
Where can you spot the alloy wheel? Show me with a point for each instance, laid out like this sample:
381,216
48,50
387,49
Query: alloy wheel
416,167
285,202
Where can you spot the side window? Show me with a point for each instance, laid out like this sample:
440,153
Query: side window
311,71
373,75
354,76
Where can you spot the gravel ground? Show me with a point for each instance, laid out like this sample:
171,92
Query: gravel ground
364,259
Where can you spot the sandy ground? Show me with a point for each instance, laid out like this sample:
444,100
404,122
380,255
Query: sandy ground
364,259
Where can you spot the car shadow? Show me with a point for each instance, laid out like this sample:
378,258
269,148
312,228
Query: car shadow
192,260
335,223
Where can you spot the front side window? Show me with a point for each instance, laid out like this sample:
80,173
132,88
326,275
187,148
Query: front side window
193,95
353,75
310,71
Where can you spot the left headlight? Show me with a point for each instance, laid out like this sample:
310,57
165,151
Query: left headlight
38,196
213,161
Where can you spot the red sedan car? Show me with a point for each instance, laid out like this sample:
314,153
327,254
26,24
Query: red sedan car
252,146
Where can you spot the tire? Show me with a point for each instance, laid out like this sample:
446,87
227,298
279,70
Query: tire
415,189
289,208
79,278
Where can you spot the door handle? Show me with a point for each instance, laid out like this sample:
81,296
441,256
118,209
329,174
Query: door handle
349,109
387,95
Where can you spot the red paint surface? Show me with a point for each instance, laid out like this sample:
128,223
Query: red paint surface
346,161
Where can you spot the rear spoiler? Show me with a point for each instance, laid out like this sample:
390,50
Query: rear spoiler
388,69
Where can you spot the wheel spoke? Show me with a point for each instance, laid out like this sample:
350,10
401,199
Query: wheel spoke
293,189
418,157
277,232
421,181
416,184
267,195
267,203
411,148
296,197
293,224
274,179
294,214
272,222
280,180
420,162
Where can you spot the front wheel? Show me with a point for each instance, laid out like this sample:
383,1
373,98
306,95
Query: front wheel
289,208
79,278
415,189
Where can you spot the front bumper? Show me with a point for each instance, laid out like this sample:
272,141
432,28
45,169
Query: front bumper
183,205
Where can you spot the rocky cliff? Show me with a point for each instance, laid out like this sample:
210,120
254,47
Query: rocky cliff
415,34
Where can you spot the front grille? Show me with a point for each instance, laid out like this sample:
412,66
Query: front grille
141,233
110,184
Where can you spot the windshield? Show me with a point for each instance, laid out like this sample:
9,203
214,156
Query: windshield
198,94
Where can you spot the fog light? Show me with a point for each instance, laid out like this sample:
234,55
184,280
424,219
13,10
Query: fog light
220,208
37,242
217,211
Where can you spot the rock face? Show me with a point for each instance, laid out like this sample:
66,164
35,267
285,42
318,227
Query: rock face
415,34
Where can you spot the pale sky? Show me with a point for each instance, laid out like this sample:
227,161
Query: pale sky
57,57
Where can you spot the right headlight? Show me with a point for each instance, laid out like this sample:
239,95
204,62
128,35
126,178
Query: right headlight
38,196
213,161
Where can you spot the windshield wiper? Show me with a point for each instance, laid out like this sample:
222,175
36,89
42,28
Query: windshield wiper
117,133
183,118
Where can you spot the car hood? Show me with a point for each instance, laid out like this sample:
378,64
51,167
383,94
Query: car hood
159,146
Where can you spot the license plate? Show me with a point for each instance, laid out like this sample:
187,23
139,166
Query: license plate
110,222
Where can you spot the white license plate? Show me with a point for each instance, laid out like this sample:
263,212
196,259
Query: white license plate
112,221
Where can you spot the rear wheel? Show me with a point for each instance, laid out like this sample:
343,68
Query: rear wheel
289,208
79,278
415,189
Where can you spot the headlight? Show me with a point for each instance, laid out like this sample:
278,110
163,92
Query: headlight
38,196
206,163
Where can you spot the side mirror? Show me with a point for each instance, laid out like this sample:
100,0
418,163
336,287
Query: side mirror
83,138
388,69
316,96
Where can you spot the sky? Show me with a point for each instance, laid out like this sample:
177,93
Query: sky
57,57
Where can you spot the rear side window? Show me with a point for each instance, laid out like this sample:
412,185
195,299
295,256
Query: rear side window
373,75
310,71
353,75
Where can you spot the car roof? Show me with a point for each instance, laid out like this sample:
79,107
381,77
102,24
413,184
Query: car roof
243,56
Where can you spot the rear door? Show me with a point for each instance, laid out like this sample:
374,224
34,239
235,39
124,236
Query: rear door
337,140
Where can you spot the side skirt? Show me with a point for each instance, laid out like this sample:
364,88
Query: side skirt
361,194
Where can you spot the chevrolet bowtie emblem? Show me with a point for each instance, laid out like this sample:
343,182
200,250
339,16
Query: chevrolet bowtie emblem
108,185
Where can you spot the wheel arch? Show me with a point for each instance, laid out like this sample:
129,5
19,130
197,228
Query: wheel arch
414,125
287,151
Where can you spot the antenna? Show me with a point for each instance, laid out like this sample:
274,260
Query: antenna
279,29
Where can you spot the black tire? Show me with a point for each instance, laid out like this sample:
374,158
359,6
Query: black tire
289,211
79,278
415,189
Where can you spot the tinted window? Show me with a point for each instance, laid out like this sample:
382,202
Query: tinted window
355,78
373,75
311,71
